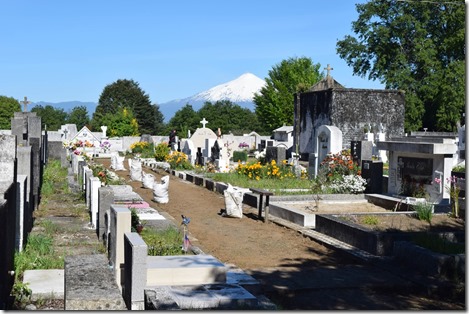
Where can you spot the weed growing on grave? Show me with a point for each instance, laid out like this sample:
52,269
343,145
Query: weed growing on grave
49,227
53,178
370,220
163,242
424,211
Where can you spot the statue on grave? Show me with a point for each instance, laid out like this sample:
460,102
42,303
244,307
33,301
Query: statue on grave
199,160
215,152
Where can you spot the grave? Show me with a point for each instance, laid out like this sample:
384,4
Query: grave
201,135
416,160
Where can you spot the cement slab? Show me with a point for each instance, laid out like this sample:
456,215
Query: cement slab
45,283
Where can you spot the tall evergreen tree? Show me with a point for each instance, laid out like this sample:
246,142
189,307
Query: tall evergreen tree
127,94
415,46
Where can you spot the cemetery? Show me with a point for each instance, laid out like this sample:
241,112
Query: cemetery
126,186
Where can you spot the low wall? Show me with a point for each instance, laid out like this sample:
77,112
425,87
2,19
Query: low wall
430,263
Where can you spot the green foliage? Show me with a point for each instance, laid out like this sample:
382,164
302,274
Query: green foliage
121,123
8,106
38,254
240,156
415,46
135,220
51,117
370,220
275,102
459,168
53,181
127,94
424,211
161,151
163,242
178,160
145,149
436,243
183,120
79,116
229,117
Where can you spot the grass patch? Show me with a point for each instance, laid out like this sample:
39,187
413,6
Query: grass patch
163,242
435,243
53,179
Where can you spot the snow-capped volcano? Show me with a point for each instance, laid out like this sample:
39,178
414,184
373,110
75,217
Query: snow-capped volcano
239,91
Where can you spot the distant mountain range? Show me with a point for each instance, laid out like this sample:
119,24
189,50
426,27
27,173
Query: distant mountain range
239,91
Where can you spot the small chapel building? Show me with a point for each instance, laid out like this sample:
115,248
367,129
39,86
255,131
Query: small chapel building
355,112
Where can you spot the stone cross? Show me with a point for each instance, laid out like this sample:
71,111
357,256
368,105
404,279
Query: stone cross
25,102
204,122
328,70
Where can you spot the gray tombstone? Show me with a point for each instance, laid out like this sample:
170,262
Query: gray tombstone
278,154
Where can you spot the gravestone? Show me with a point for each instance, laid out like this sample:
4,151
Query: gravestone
328,141
361,150
201,134
199,159
215,152
278,154
372,172
146,138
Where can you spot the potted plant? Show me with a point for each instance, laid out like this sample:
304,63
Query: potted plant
136,225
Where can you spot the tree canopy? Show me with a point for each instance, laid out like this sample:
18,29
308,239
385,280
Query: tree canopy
8,106
275,102
127,94
52,118
79,116
183,120
415,46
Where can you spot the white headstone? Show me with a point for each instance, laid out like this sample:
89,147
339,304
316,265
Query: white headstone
104,129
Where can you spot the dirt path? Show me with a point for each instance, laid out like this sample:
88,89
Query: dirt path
294,271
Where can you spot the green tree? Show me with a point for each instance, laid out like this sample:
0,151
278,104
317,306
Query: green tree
275,102
229,117
415,46
126,94
185,119
79,116
121,123
8,106
160,126
51,118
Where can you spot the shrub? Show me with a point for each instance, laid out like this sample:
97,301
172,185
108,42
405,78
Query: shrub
161,151
240,156
334,166
257,171
348,184
178,160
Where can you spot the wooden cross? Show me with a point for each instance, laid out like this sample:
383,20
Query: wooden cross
204,122
25,102
328,70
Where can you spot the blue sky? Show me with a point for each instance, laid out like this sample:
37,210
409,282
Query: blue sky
56,50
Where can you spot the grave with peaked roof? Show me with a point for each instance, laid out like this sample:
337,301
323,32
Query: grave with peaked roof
353,111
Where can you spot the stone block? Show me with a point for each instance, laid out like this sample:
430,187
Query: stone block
95,184
184,270
90,284
105,199
120,223
135,280
21,210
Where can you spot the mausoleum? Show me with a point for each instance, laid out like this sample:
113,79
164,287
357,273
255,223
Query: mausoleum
355,112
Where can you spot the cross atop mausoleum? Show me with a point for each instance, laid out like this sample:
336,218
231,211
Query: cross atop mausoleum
204,122
25,102
328,70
